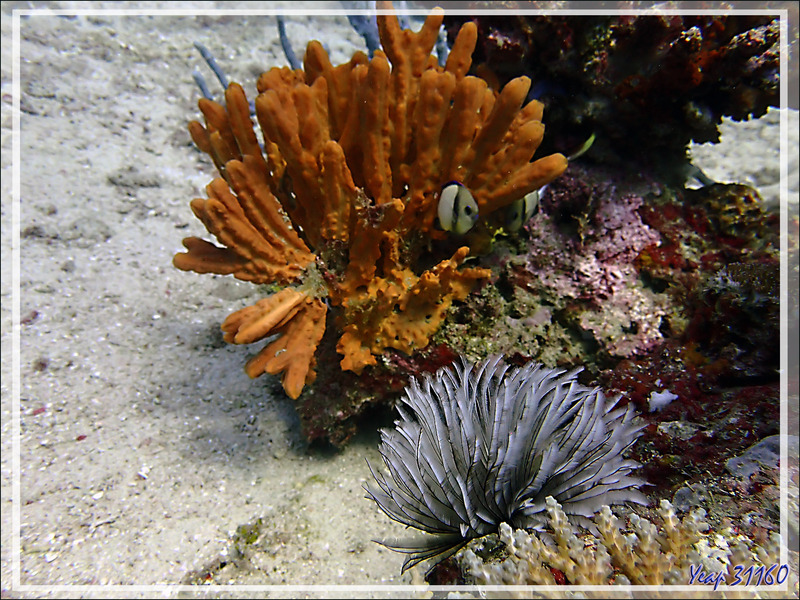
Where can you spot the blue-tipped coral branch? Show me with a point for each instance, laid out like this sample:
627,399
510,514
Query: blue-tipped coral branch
212,63
294,63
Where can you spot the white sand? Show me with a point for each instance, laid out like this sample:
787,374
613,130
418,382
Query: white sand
144,446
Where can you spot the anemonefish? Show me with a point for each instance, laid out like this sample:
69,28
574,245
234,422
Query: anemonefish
519,211
457,209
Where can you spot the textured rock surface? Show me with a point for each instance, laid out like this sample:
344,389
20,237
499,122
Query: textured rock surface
147,454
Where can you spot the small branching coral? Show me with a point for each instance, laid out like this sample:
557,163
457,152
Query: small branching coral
340,206
483,444
679,552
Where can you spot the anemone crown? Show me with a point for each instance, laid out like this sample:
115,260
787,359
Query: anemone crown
481,444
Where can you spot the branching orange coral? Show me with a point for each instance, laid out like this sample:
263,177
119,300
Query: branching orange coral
340,203
298,319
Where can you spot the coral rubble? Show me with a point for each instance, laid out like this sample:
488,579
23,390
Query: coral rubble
339,206
677,552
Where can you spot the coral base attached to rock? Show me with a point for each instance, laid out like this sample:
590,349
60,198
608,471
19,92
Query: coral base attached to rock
637,552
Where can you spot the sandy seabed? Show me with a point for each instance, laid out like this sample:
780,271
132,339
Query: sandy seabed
147,456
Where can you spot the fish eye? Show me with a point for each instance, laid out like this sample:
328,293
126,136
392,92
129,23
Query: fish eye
467,210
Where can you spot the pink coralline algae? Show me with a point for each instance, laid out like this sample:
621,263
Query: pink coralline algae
719,261
591,270
620,234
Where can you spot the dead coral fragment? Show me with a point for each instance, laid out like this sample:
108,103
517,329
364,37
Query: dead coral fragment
647,555
346,188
